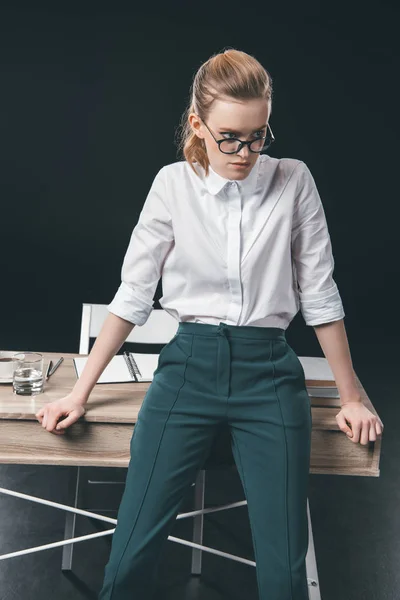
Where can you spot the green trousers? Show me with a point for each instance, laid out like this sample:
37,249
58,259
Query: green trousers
250,379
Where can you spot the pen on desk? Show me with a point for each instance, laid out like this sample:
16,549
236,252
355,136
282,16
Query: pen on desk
48,369
58,363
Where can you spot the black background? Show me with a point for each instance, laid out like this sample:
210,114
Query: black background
90,102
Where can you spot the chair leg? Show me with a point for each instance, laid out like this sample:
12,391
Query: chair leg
198,521
70,518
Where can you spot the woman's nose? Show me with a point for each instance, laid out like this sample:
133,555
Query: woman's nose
244,153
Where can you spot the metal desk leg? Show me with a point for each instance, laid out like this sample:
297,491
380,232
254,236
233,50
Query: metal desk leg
198,521
311,563
70,518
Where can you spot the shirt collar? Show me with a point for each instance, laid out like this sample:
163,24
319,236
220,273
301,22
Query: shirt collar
215,182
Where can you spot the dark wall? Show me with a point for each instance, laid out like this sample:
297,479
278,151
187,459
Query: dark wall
89,104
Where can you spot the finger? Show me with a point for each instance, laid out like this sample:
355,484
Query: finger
372,432
52,420
356,427
66,422
378,428
343,424
364,433
56,432
44,419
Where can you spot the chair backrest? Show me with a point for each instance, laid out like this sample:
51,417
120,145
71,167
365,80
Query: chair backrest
159,328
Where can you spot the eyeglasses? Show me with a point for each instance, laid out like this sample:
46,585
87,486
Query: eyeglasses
234,145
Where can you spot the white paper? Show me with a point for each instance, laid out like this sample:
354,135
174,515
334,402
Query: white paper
115,372
147,364
316,367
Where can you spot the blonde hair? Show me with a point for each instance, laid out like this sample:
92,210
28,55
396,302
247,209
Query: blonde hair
232,74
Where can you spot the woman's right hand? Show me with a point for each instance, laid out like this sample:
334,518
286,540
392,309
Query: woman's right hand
69,407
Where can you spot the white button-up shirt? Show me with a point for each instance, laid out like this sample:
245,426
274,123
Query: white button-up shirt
250,252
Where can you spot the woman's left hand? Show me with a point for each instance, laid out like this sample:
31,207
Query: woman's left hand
364,425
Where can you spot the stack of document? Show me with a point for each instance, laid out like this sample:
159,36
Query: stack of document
137,367
320,381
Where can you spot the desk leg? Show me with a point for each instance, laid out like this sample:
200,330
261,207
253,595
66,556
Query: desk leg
70,518
198,521
311,563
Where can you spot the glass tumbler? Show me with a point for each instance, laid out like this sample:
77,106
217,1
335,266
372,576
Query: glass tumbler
28,373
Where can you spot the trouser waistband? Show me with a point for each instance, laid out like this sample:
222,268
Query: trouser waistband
239,331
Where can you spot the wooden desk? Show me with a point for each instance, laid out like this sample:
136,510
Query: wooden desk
102,436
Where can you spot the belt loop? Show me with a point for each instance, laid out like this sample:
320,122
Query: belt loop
221,329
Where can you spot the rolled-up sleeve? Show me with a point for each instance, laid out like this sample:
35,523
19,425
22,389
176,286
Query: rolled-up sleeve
320,301
149,244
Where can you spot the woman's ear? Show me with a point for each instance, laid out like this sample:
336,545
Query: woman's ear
195,124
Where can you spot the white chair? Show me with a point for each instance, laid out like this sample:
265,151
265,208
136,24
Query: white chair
159,329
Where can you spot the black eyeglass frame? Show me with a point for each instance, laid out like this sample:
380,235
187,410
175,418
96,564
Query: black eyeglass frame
241,142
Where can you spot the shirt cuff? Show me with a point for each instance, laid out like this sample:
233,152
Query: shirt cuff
130,305
321,307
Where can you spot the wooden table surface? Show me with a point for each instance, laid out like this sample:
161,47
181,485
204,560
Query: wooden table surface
102,436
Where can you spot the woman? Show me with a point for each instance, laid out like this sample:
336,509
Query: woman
242,244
